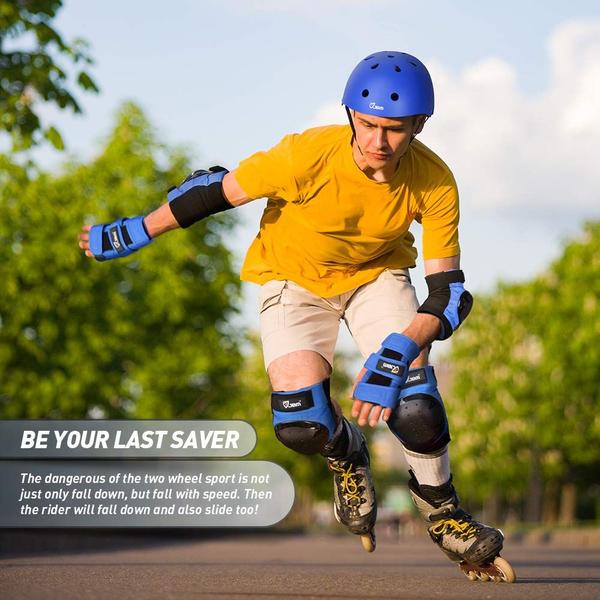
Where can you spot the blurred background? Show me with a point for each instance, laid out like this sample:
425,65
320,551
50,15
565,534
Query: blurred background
105,105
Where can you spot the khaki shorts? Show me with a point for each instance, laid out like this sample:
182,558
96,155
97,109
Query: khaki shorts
292,318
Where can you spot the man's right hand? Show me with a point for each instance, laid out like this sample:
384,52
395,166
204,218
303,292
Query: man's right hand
115,240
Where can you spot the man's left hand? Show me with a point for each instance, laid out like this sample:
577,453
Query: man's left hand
361,408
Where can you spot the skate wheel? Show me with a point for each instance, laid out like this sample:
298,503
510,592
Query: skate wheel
507,573
471,575
368,541
483,576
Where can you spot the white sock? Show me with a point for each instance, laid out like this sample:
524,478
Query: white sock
429,469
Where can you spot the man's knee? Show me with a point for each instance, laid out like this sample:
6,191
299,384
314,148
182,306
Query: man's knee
304,419
419,421
298,369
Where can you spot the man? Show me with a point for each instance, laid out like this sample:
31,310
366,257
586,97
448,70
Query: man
334,244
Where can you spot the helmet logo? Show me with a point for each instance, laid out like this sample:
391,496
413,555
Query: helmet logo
375,106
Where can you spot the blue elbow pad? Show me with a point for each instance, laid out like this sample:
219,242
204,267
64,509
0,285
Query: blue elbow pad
200,195
448,300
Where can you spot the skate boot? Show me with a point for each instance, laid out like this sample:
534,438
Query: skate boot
475,546
354,503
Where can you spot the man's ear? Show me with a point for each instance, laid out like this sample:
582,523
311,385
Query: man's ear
419,123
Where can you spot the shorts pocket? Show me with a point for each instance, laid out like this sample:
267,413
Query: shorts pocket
271,307
270,294
399,274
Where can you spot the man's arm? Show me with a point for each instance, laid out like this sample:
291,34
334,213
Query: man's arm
162,219
423,330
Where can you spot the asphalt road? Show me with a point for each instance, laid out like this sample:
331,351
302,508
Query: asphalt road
292,567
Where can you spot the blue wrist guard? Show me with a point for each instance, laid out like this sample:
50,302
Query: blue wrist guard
387,370
118,239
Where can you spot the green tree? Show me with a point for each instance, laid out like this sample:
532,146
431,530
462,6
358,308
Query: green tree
568,299
493,404
525,394
32,72
144,336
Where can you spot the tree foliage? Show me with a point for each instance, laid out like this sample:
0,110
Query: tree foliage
32,71
526,369
145,336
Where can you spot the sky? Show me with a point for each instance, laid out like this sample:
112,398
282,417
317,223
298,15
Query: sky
517,114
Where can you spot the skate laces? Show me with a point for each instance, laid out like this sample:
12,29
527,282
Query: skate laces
457,527
348,480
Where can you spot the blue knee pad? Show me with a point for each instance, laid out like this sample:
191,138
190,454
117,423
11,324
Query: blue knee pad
419,421
304,419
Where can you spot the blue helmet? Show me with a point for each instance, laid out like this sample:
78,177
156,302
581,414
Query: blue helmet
390,84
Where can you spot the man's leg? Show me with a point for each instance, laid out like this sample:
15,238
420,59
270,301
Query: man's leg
308,421
305,417
419,422
298,332
384,306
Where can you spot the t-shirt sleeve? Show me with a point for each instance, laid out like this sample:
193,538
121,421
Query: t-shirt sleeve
270,174
439,218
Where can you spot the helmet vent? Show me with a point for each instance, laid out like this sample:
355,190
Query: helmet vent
374,66
365,93
414,64
394,96
391,56
368,58
397,69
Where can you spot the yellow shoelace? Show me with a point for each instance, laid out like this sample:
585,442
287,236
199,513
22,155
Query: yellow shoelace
460,527
349,483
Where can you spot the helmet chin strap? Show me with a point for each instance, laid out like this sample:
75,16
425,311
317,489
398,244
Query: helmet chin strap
354,138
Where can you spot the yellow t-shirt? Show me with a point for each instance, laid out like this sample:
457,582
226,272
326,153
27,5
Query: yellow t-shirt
330,228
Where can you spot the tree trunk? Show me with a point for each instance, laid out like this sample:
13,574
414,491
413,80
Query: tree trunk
491,509
568,504
550,504
533,506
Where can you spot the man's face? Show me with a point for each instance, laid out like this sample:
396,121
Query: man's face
382,140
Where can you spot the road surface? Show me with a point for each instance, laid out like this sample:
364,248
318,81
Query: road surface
293,567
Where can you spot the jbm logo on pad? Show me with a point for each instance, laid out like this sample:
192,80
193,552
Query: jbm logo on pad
293,402
383,365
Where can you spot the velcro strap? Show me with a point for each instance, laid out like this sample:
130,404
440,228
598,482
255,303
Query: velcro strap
403,345
136,230
308,404
115,237
420,381
386,366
